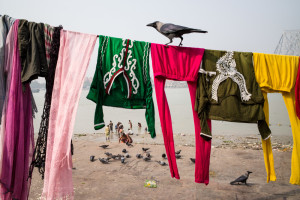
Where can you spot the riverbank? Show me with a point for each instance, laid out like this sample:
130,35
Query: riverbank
230,158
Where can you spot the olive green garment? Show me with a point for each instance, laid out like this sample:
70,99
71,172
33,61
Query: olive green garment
32,50
127,86
227,103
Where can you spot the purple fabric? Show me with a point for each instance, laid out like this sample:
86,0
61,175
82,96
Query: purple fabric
18,138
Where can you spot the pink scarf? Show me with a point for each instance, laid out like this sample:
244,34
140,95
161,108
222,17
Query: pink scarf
73,59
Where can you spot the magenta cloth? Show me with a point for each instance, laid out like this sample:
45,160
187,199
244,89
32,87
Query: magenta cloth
181,64
297,92
73,59
18,139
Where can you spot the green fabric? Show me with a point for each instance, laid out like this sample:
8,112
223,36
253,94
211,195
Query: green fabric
111,53
31,41
229,105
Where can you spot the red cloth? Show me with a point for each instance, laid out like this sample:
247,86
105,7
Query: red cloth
297,92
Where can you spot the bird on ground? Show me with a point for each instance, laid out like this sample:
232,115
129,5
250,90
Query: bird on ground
139,155
162,163
148,155
147,159
92,158
127,155
193,160
145,149
122,159
108,154
124,150
241,179
177,156
164,156
171,30
178,152
104,161
129,144
104,146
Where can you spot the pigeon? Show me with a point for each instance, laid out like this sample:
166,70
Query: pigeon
127,155
103,160
108,154
193,160
164,156
171,30
116,156
147,159
122,159
178,152
124,150
92,158
129,144
104,146
177,156
139,155
148,155
145,149
162,163
241,179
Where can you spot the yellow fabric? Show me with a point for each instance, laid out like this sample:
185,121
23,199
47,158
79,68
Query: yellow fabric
277,73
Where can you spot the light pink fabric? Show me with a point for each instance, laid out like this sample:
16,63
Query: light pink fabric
73,59
18,134
182,64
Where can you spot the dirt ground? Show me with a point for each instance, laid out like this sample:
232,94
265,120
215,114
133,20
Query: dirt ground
94,180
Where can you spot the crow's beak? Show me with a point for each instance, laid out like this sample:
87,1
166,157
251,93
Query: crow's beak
151,24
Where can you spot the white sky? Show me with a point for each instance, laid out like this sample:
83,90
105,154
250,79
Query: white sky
238,25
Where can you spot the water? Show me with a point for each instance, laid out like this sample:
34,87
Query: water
181,113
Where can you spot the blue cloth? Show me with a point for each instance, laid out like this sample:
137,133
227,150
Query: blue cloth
5,23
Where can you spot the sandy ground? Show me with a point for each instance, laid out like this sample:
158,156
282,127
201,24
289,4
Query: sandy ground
230,158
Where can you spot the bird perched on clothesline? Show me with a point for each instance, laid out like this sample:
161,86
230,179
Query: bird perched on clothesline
241,179
171,30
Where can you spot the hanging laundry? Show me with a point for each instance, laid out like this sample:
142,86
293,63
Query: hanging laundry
18,138
180,64
39,156
32,50
74,54
297,92
5,23
48,32
278,73
227,91
7,68
122,79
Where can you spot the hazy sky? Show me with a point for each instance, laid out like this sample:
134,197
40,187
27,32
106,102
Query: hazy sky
239,25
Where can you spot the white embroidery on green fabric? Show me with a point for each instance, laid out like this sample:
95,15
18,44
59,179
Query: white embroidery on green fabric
226,66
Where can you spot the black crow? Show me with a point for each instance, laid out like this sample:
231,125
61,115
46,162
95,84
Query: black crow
241,179
193,160
172,30
104,146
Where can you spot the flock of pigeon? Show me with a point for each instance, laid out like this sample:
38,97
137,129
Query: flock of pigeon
145,155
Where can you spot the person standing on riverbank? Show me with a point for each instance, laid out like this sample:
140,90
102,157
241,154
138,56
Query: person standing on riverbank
139,128
130,124
107,133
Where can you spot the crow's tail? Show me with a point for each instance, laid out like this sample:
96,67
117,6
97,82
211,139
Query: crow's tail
198,31
232,182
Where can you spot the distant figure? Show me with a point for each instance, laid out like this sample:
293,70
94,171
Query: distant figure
130,124
146,130
125,138
139,128
111,126
130,132
107,133
116,128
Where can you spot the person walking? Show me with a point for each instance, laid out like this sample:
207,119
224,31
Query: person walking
107,133
130,124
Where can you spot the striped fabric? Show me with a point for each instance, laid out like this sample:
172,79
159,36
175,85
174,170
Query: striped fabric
48,39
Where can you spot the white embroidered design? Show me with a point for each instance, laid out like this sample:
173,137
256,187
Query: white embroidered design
226,67
118,60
